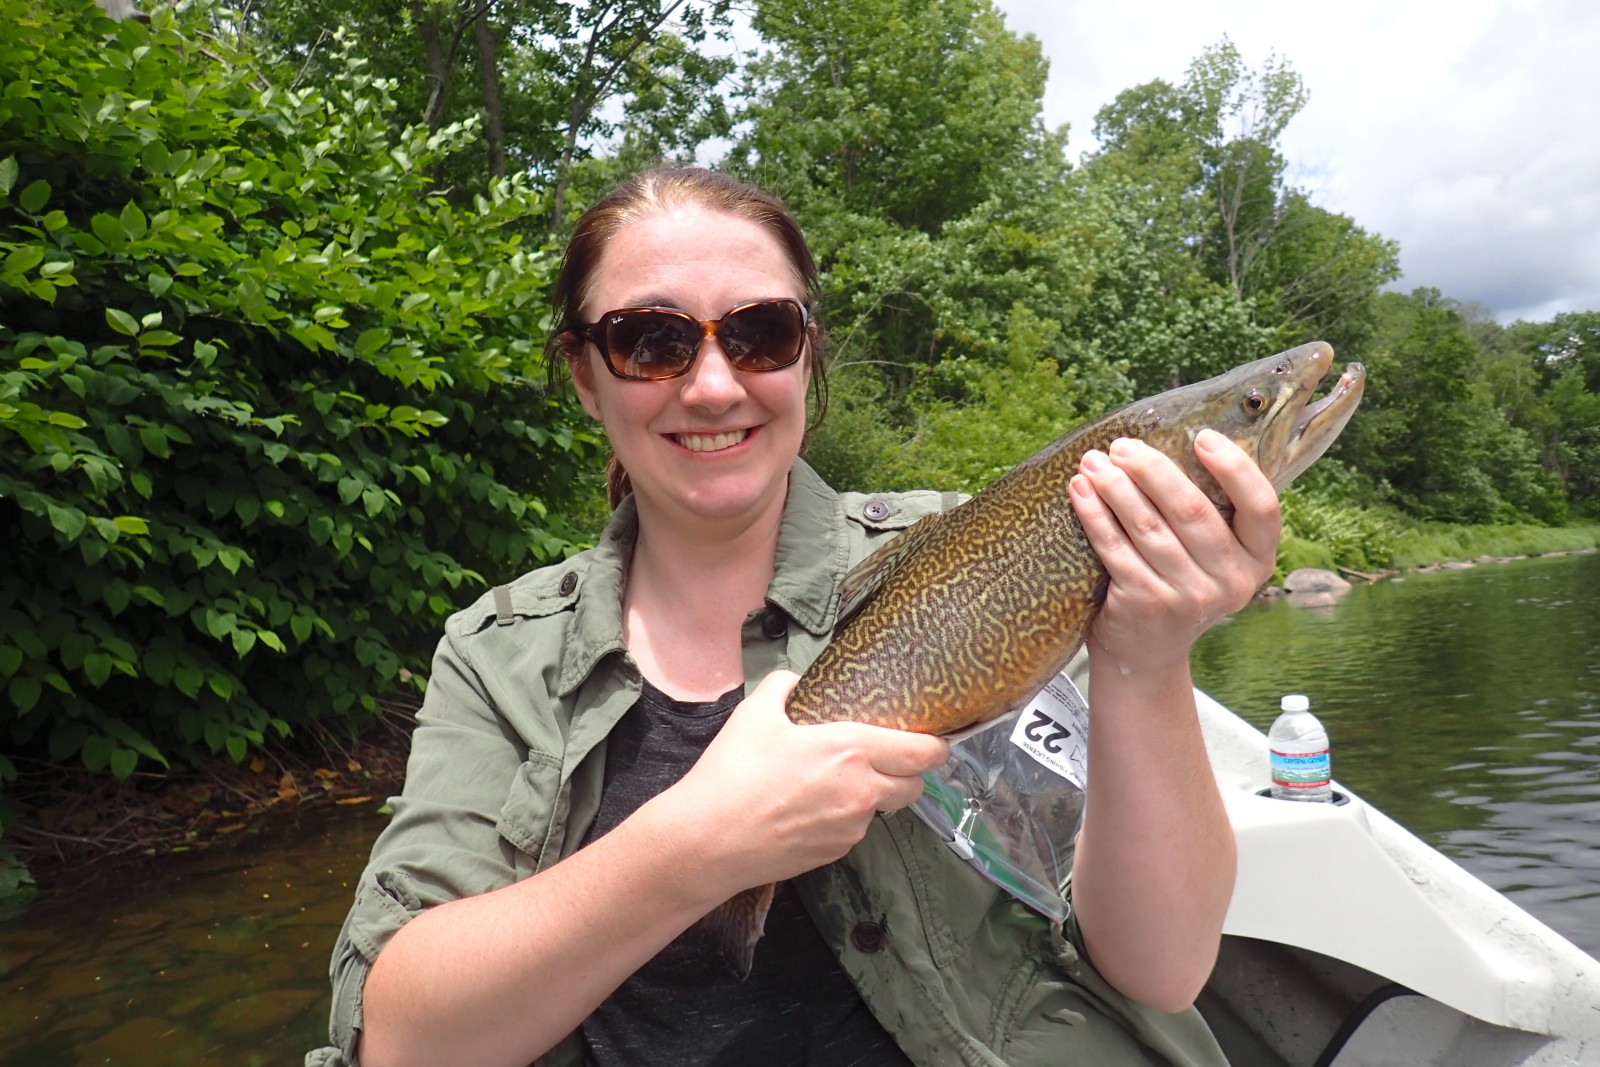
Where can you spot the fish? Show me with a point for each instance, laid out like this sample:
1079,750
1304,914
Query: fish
963,618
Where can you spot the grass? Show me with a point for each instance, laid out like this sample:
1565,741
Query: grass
1440,543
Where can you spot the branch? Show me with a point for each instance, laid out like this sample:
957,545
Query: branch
323,36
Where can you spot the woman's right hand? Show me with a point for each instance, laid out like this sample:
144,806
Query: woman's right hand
769,799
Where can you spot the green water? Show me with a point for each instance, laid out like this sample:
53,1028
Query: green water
213,958
1465,705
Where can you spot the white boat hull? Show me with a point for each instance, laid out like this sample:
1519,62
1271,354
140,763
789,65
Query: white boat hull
1351,943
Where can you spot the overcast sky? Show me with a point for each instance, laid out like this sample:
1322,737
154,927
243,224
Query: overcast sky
1468,131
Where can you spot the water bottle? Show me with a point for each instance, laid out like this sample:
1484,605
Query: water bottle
1301,768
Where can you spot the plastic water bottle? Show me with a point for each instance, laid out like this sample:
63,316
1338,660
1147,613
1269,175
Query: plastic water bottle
1301,768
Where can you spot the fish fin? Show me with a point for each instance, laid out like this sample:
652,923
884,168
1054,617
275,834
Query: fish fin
1097,596
868,576
734,926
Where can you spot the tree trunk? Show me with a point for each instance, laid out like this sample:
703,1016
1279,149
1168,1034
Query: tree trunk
438,72
593,86
488,66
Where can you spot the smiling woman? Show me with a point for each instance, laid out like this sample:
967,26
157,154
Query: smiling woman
687,196
745,425
596,770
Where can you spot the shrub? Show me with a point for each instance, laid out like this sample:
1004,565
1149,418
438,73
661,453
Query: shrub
1318,532
267,396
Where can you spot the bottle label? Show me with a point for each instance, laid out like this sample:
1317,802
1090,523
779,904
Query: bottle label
1300,770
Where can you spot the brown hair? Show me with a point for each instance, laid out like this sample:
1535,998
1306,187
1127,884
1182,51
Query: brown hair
651,192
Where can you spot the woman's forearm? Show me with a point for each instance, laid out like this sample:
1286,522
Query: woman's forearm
1154,868
503,977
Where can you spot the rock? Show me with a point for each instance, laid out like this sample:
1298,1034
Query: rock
1319,598
1315,580
1457,565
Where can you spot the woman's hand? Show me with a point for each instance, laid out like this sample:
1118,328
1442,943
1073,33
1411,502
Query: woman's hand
1175,565
787,799
1155,865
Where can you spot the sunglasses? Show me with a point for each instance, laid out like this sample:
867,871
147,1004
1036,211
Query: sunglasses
654,344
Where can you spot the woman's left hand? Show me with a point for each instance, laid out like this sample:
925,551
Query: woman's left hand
1176,566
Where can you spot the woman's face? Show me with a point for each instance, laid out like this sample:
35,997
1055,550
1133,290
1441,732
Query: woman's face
716,443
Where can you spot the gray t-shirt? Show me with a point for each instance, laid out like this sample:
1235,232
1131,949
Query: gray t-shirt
686,1007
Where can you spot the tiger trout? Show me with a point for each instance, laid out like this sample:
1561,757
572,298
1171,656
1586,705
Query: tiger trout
965,617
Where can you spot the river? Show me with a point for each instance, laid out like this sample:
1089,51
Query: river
1466,705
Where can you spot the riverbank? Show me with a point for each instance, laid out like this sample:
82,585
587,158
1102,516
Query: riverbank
65,820
67,823
1432,544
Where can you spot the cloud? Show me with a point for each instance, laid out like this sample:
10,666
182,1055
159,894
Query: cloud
1462,130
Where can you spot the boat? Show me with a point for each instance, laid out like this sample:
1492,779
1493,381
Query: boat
1385,953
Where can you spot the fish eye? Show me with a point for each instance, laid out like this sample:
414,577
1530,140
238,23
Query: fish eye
1254,403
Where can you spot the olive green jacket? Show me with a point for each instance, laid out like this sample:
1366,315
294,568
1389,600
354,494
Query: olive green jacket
505,775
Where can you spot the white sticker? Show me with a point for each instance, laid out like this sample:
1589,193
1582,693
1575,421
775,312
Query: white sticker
1054,729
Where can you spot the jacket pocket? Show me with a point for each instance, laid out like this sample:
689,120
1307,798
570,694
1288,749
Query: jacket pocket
952,898
528,819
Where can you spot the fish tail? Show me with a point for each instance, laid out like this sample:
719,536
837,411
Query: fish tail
735,925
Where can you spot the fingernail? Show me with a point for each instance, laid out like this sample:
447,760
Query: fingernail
1093,460
1079,486
1207,439
1123,446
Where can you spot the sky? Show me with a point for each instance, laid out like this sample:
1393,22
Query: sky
1467,131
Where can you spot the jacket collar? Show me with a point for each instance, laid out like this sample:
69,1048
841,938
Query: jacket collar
812,558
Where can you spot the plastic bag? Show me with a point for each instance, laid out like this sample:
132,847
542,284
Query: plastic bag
1009,800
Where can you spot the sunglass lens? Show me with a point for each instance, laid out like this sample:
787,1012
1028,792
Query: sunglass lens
762,336
650,344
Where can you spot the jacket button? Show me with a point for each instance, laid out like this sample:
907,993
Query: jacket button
773,624
869,937
569,582
876,510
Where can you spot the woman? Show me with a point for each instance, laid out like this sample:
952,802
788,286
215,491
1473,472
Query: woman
586,782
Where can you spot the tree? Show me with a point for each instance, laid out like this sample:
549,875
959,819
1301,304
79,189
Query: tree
271,404
1429,427
904,111
1549,384
1199,164
540,75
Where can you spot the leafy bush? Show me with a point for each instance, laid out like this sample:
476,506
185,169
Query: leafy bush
1318,532
267,396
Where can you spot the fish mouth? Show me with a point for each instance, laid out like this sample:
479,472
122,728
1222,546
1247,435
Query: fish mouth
1318,423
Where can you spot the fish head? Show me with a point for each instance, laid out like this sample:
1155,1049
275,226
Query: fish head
1265,408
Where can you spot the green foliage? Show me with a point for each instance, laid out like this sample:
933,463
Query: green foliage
1546,376
1198,168
1013,410
844,110
550,81
267,395
1319,532
1430,433
1431,542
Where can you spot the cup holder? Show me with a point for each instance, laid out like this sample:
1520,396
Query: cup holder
1339,799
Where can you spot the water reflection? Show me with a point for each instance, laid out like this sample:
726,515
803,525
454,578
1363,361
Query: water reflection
1465,705
216,958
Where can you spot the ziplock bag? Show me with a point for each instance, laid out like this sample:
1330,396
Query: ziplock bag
1009,800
